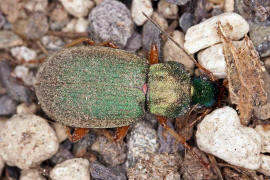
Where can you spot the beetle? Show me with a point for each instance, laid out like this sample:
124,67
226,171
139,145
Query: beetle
100,86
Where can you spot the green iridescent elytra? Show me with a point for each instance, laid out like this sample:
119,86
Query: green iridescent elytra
101,87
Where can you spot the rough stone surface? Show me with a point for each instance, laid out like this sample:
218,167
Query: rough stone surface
60,132
265,165
81,25
134,42
110,21
52,42
62,154
157,166
8,39
205,34
72,169
36,5
24,74
160,20
173,53
221,134
213,60
15,91
168,10
7,106
24,108
186,21
26,141
138,8
178,2
31,174
80,148
113,153
264,132
2,165
142,141
23,53
78,8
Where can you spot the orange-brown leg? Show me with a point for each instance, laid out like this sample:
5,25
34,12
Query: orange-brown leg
107,44
153,55
181,139
79,41
121,132
77,135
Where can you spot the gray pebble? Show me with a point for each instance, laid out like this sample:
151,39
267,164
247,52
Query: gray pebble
151,35
110,21
2,20
80,147
9,39
34,27
186,21
7,106
61,155
178,2
15,91
134,42
99,171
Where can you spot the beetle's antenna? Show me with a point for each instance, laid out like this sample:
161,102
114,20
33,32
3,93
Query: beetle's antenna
212,77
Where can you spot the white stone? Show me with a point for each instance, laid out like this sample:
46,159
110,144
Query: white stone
139,7
205,34
221,134
31,174
26,140
168,10
228,5
60,132
265,134
173,53
36,5
2,165
72,169
81,25
27,109
70,27
78,8
160,20
23,53
213,60
265,165
25,74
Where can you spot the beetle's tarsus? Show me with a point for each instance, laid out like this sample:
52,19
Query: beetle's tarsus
81,40
120,133
153,54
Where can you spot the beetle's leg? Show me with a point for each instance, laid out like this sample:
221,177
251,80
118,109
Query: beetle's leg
153,55
107,44
77,135
181,139
121,132
79,41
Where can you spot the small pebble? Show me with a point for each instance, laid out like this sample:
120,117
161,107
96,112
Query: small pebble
62,154
228,5
186,21
99,171
52,42
78,8
112,153
213,60
32,28
26,141
27,108
24,74
7,106
178,2
60,132
2,20
264,131
142,141
72,169
36,5
205,34
134,42
11,8
193,169
151,35
157,166
221,134
81,25
15,91
111,21
173,53
70,27
260,37
8,39
31,174
58,18
160,20
139,7
23,53
2,165
265,165
168,10
80,148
